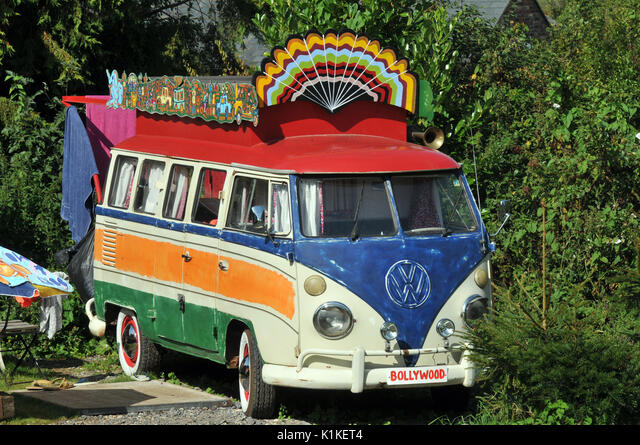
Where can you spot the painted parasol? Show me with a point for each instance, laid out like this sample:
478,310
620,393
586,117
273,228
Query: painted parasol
26,281
21,277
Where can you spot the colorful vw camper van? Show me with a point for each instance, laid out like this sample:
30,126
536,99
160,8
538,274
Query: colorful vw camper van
284,226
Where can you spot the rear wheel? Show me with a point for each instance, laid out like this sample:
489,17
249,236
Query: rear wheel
137,354
258,399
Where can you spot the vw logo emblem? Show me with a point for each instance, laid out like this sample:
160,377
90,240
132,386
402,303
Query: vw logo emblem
408,284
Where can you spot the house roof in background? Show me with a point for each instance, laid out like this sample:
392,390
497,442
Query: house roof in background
491,9
497,11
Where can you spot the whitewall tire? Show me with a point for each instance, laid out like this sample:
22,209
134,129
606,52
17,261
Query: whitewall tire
136,353
258,399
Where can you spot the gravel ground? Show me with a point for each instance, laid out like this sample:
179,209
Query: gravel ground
181,416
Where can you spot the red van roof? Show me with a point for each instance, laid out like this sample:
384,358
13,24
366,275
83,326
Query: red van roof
298,137
341,153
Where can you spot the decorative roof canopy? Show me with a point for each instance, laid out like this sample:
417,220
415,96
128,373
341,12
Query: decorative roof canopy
331,70
220,99
334,70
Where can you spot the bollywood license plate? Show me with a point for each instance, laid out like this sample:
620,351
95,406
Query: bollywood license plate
412,376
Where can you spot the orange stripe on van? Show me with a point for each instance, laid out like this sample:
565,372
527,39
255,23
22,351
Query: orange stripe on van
163,261
97,244
255,284
153,259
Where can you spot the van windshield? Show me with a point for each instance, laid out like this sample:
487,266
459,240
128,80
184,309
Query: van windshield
339,207
433,203
362,206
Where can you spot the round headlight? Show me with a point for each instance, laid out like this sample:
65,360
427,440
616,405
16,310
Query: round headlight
445,327
333,320
389,331
474,309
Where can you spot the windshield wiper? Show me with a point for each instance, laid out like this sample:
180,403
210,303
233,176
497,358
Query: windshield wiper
424,230
446,231
354,231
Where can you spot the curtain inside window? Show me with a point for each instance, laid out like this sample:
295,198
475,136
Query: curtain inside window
311,207
213,182
180,187
154,186
125,182
280,220
425,205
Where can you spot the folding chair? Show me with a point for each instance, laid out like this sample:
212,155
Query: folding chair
19,331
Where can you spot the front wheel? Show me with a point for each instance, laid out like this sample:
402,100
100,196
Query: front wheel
257,398
136,353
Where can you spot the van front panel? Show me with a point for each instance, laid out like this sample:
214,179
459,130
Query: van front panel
365,268
384,273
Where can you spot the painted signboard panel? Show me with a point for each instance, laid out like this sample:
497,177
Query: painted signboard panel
219,100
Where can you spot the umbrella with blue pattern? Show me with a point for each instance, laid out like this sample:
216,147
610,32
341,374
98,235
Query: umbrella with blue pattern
21,277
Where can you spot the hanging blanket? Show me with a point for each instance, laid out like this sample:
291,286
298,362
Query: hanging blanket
78,168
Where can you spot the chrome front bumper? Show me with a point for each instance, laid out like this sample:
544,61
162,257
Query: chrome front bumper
358,377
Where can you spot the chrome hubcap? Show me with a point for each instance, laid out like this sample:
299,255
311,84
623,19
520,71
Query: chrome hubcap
245,370
130,342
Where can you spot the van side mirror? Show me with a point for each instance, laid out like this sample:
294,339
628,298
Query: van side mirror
504,210
258,212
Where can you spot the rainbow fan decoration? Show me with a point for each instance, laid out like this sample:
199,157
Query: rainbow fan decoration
334,70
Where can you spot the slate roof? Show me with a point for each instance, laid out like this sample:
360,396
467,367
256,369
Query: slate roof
491,9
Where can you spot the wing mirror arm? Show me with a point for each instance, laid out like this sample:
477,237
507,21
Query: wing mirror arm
504,212
506,218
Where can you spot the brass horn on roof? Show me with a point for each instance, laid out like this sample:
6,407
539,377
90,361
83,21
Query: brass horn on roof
432,137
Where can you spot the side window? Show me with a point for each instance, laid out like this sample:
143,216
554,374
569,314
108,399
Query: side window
177,189
280,209
249,205
208,202
256,207
149,187
120,193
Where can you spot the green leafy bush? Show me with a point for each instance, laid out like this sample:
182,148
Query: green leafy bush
31,149
30,167
582,352
555,130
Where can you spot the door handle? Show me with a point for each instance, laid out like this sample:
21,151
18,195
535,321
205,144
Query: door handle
223,265
186,256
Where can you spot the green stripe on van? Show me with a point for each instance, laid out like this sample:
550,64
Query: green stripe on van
202,334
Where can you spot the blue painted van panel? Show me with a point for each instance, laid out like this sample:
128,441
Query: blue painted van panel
362,267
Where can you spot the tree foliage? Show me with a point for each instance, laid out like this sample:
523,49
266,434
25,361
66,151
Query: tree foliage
558,135
69,44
